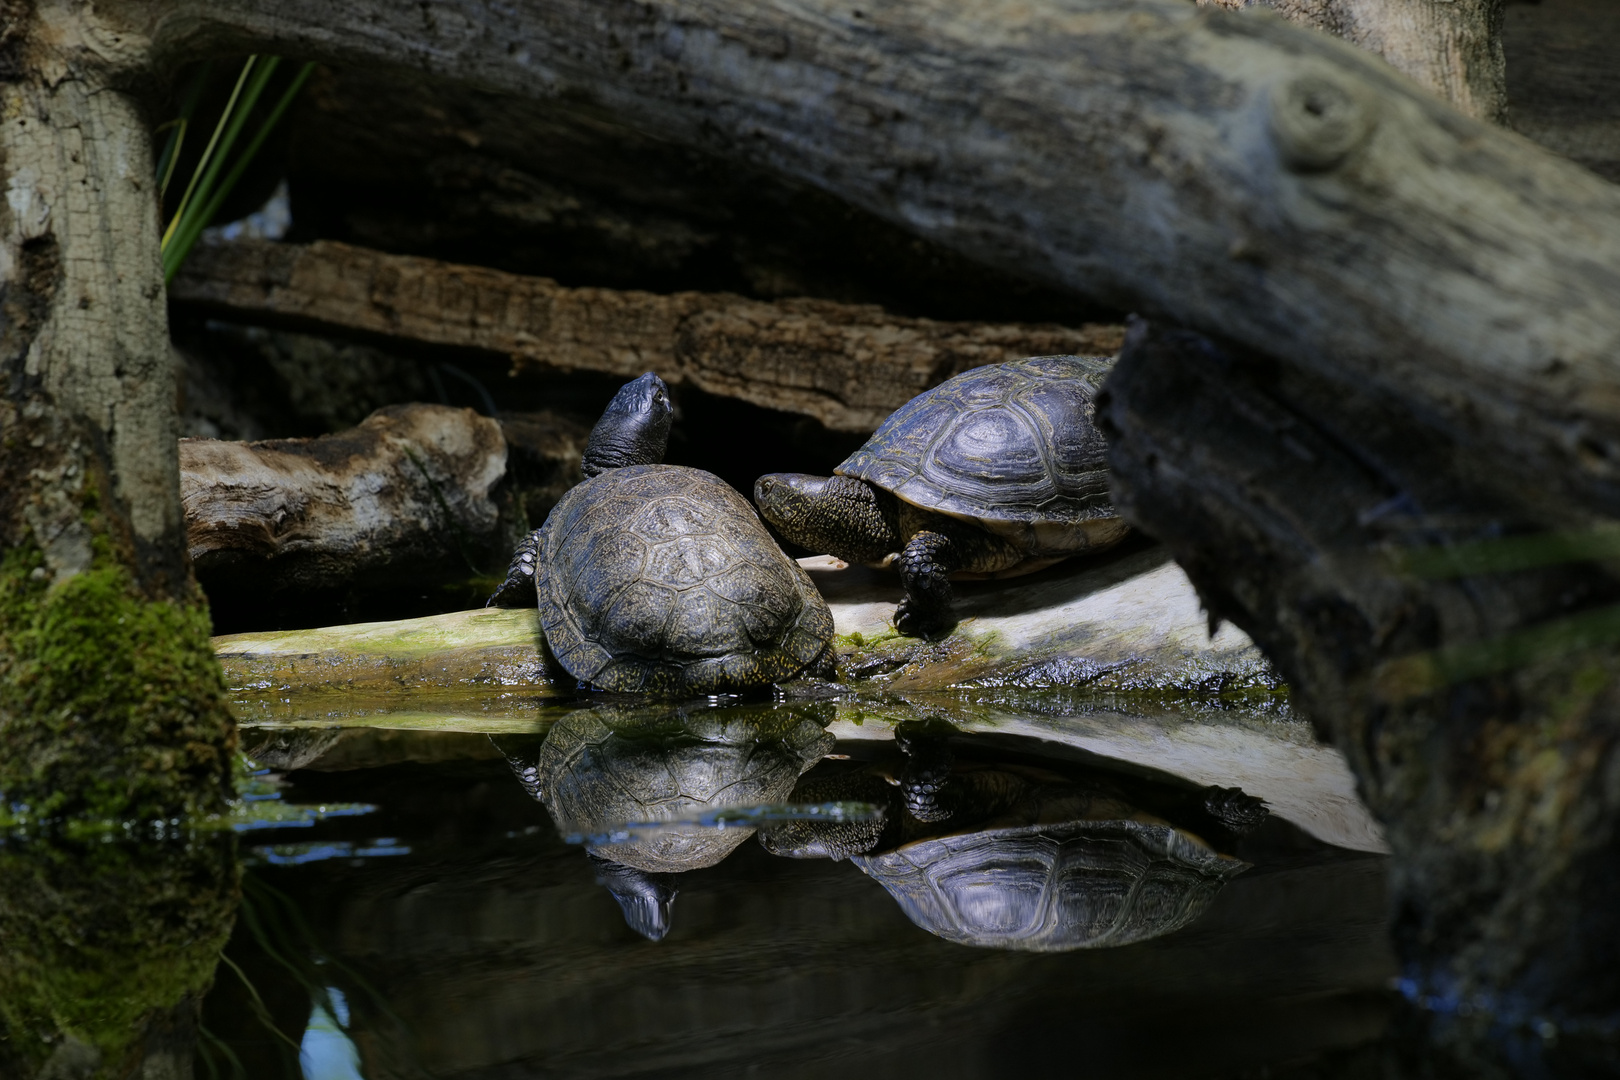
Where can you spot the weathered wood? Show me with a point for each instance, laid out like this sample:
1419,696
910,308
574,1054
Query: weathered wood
847,365
399,160
1453,47
110,702
1238,173
1290,505
410,493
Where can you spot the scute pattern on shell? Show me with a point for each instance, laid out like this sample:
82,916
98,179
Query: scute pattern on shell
661,578
597,770
1051,888
1011,447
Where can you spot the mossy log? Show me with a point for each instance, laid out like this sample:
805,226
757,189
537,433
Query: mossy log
846,365
1111,657
1126,623
110,703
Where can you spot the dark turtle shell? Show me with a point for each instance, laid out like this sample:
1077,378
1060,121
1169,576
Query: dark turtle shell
661,578
599,769
1013,448
1078,884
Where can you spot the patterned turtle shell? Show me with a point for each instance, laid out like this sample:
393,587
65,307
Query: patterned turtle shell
1054,887
661,578
1013,448
599,770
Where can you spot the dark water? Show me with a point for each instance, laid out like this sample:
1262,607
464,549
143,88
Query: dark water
451,932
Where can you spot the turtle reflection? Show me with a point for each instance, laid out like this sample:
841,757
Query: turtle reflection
610,776
1004,854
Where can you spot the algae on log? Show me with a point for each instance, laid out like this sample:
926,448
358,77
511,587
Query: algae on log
1108,656
106,951
111,704
1481,718
1125,622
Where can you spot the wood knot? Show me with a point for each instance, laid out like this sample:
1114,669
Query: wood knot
1317,121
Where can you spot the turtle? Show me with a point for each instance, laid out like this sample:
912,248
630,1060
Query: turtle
662,578
1017,857
602,771
995,472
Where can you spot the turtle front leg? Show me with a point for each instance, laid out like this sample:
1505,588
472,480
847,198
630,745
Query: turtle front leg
924,564
518,588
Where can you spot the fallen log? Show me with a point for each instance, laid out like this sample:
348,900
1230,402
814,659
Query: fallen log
1245,176
1122,637
412,491
846,365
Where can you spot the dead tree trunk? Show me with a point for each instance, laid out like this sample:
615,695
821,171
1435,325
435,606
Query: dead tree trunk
110,701
1453,47
1481,712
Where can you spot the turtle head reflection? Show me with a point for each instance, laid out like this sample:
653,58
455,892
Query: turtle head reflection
1001,853
646,790
644,898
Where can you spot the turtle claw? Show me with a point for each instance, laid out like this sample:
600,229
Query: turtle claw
917,620
518,588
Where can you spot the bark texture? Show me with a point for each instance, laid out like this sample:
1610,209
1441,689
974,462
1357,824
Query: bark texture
1452,47
1493,764
401,161
110,701
409,495
1229,169
846,365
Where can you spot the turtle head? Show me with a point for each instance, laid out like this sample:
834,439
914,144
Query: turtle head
836,515
644,898
634,429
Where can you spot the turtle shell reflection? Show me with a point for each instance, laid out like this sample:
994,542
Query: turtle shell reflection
1010,855
631,782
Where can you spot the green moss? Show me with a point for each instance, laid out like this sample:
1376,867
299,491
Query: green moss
112,706
108,944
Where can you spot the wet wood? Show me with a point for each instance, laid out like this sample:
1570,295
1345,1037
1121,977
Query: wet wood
846,365
1125,641
411,491
1126,622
